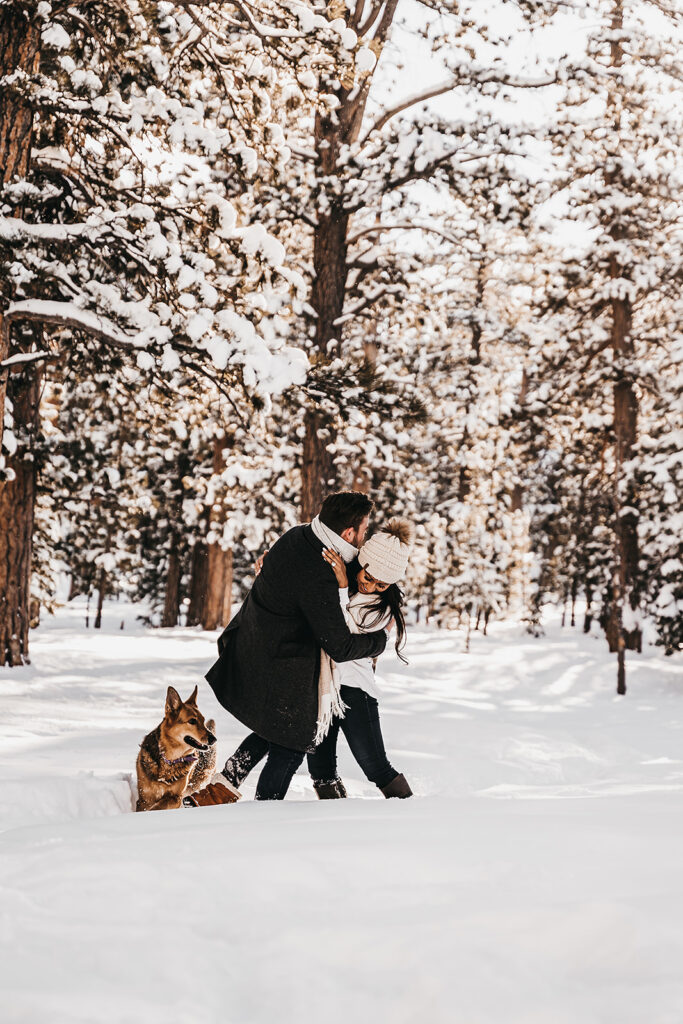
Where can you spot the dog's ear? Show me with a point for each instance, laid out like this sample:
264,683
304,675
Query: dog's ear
173,700
192,699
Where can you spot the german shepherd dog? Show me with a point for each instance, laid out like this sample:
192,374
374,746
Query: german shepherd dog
178,757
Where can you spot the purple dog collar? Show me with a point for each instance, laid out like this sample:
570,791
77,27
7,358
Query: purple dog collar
180,760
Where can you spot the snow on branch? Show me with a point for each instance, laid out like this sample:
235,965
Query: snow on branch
66,314
13,229
24,357
261,29
372,17
378,229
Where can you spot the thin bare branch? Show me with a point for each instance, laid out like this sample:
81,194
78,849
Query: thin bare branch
411,101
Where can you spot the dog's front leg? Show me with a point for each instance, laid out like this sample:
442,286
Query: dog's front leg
169,801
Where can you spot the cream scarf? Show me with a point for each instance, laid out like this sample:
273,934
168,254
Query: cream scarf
330,703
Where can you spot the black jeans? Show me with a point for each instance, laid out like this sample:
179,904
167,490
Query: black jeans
278,770
363,734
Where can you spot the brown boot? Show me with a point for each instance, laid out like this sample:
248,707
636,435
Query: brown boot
397,787
333,790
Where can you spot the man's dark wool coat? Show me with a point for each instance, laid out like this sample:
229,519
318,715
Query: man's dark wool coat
269,663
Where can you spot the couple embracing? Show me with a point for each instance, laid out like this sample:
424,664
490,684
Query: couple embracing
296,664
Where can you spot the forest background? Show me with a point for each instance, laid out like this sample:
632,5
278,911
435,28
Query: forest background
254,252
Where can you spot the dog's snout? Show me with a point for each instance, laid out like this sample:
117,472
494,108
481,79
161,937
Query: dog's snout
212,739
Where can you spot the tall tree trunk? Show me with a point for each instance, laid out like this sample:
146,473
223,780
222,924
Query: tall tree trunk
218,600
364,478
17,502
172,597
473,360
318,474
327,299
198,583
330,245
218,603
624,423
625,427
588,616
101,591
19,51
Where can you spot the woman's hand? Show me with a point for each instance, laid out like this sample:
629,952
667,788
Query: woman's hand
258,564
337,563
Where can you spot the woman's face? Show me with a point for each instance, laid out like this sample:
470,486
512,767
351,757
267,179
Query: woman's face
367,584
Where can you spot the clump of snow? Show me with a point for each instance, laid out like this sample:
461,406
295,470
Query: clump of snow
365,59
255,239
145,360
307,79
9,441
219,350
170,359
54,35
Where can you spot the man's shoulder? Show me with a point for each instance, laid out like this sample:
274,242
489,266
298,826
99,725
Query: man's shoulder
299,551
299,539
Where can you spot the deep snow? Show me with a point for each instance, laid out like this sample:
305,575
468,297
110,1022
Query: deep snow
535,879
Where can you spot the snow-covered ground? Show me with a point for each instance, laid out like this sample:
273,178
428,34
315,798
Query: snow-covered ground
535,879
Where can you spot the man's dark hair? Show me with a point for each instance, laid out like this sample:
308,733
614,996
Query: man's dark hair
345,509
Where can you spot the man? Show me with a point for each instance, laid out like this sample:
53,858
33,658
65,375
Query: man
268,671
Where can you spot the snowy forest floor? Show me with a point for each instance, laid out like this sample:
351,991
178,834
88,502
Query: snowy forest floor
535,878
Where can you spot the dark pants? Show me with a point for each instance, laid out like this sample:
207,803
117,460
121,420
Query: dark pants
278,770
363,733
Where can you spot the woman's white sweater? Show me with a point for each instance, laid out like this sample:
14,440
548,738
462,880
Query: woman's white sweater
359,673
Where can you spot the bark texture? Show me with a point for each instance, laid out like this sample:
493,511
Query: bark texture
330,251
218,604
327,299
318,473
171,610
625,425
101,594
198,584
17,502
19,51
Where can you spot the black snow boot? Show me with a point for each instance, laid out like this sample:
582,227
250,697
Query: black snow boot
333,790
250,751
398,787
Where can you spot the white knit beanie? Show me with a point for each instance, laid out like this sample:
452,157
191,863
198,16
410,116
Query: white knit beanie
385,555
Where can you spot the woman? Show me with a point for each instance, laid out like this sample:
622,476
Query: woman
375,602
372,601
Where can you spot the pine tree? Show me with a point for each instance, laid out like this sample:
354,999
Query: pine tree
124,153
609,306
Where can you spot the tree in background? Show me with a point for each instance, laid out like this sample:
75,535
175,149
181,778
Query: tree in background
349,186
123,143
610,311
211,184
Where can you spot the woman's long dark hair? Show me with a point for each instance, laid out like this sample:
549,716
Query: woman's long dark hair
391,600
